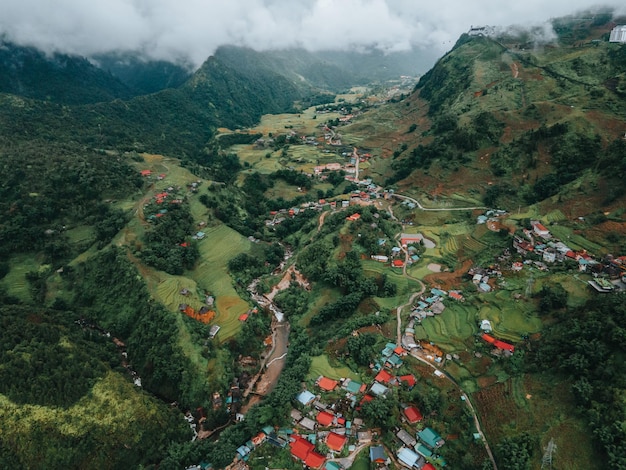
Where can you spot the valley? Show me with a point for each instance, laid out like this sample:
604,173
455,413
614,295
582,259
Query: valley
419,273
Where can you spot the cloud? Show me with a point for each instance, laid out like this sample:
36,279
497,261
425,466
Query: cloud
191,30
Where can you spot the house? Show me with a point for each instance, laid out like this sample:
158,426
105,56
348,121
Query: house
295,415
324,418
326,384
423,450
406,438
300,447
430,438
199,235
408,379
213,331
430,466
378,390
364,437
456,295
397,263
335,441
332,466
485,326
314,460
412,414
145,172
305,397
539,229
497,343
377,454
393,361
243,317
307,423
352,386
383,376
409,458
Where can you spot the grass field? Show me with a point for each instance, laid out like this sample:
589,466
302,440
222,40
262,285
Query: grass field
81,234
321,366
15,281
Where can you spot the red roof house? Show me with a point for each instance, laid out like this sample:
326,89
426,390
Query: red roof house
335,441
327,384
314,460
146,172
412,414
325,418
497,343
408,379
397,263
455,295
429,466
383,376
300,447
243,317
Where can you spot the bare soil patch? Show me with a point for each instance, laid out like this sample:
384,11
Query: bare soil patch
449,280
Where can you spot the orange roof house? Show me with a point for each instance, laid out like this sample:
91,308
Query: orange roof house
383,376
397,263
400,351
325,418
146,172
335,441
243,317
327,384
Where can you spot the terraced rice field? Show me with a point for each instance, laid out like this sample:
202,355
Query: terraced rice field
220,244
450,329
473,245
555,216
321,366
575,241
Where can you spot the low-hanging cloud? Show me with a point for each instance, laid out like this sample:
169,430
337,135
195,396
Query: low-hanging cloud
191,30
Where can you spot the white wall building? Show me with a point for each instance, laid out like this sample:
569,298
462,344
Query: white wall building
618,34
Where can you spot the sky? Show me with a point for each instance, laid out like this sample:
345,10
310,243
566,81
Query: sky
191,30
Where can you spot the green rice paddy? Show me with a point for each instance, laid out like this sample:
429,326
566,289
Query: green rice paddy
320,365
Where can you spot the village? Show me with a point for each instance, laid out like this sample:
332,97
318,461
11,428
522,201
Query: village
327,430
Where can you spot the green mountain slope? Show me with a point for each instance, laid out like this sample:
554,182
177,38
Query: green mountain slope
528,120
58,78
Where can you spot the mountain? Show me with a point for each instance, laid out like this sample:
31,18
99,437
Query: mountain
328,70
57,78
178,121
528,118
143,76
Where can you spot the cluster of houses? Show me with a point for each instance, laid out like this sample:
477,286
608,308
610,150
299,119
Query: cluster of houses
326,427
431,303
538,247
357,197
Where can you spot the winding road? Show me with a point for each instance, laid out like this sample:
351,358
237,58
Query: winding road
417,203
413,352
